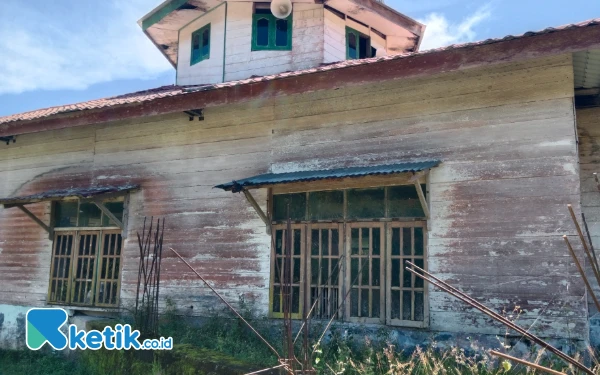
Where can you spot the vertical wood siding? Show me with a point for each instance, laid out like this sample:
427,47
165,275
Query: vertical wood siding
588,129
505,135
307,43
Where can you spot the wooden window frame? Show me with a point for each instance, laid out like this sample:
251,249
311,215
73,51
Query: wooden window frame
302,258
345,225
71,277
401,322
357,34
196,58
326,284
272,33
382,265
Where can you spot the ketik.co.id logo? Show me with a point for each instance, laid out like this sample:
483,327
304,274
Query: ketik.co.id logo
44,326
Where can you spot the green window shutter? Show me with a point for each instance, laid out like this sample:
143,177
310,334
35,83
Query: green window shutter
270,33
358,46
200,45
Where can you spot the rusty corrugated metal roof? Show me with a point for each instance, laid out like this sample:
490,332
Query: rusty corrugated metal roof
173,90
303,176
82,193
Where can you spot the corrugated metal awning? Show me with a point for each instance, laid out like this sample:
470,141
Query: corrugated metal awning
303,176
81,193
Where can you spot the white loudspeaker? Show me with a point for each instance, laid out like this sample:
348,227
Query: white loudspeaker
281,8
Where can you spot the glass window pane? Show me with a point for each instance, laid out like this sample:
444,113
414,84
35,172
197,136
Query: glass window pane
366,203
418,241
281,33
116,208
205,42
376,241
65,214
89,215
325,242
363,47
376,303
352,51
395,241
314,239
406,305
326,205
195,42
395,272
297,206
262,32
354,302
406,241
395,304
419,306
334,242
404,202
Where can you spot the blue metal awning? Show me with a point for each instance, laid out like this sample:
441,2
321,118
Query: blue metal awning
303,176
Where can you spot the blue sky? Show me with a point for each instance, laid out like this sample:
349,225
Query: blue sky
68,51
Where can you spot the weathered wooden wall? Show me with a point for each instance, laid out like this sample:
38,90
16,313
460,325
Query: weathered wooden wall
588,129
505,134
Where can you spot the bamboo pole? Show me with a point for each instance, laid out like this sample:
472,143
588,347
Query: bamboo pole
484,309
582,272
584,243
526,363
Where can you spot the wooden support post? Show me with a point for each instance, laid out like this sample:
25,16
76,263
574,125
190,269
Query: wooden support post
422,198
34,218
107,212
258,210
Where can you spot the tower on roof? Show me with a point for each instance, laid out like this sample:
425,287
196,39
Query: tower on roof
213,41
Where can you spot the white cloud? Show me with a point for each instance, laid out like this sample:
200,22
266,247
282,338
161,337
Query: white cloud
74,44
440,32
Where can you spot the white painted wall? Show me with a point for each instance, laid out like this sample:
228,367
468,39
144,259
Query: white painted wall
211,69
334,44
318,36
307,43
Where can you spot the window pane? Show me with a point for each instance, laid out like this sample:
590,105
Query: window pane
406,305
363,47
281,33
89,215
419,306
404,202
418,241
262,32
195,42
366,203
297,206
65,214
116,208
205,42
352,52
326,205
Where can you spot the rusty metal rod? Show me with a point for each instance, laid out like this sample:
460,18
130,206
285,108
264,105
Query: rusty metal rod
526,363
582,272
266,369
584,243
467,299
226,303
589,237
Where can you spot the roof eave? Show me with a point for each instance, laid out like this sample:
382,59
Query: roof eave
357,73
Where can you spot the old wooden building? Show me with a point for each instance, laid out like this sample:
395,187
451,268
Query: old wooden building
462,159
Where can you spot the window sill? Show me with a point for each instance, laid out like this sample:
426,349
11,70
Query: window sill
74,308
